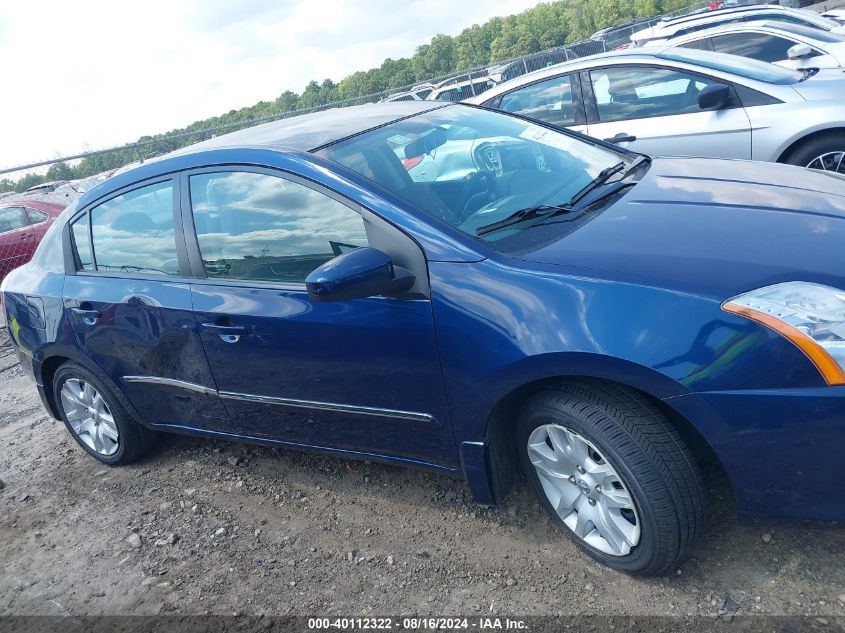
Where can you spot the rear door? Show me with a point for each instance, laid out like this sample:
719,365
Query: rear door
129,305
361,375
16,238
655,110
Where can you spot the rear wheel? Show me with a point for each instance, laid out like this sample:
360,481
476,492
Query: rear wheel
97,419
613,472
825,153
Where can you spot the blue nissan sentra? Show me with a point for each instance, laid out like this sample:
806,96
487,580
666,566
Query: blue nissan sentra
465,290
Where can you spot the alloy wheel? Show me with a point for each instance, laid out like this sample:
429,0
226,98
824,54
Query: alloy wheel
584,489
89,416
831,161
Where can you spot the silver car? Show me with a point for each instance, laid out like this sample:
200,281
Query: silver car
679,101
788,45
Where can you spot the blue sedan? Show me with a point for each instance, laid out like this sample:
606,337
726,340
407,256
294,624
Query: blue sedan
459,289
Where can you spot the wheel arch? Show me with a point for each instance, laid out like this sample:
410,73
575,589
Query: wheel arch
793,144
679,405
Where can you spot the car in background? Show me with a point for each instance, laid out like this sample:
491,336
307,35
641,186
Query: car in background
23,222
782,43
417,93
679,101
46,187
837,15
600,320
458,90
688,24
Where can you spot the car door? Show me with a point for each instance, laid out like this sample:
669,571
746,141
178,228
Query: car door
129,306
556,101
38,221
655,110
16,237
361,375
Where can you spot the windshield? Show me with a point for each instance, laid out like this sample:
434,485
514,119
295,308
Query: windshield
742,66
471,167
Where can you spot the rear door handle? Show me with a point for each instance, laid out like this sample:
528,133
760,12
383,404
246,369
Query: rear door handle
227,333
89,316
621,138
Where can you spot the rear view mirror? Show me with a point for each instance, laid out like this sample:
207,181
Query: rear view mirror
799,51
364,272
426,143
714,97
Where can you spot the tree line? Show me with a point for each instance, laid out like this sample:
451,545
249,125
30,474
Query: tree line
545,26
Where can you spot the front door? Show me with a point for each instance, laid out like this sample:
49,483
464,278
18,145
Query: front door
130,308
361,375
16,239
655,111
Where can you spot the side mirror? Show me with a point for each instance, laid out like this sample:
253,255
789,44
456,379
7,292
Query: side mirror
799,51
364,272
714,96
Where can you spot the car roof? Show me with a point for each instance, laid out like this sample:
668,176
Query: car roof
318,129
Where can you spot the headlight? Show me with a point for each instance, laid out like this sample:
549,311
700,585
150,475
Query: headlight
812,316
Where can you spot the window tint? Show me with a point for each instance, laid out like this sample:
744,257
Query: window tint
634,93
549,101
702,44
12,218
759,46
255,226
134,232
81,240
36,216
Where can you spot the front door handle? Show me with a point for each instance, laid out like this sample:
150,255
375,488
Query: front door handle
227,333
621,138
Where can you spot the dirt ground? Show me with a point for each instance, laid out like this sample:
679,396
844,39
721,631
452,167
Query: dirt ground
202,526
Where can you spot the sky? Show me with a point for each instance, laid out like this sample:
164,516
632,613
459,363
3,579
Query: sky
94,74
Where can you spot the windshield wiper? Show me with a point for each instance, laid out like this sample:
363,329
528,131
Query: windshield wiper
549,210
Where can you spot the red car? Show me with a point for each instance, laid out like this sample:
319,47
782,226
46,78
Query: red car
23,223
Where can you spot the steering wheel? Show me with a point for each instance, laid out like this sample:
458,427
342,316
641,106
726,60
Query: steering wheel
476,192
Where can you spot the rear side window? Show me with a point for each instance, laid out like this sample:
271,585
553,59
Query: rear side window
12,218
549,101
759,46
134,232
266,228
36,216
82,242
702,44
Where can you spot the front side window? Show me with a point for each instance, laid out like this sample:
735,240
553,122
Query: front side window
12,219
759,46
266,228
549,101
702,44
134,232
742,66
470,168
82,242
631,92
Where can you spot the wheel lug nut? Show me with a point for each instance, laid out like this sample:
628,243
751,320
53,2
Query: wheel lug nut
598,489
572,479
580,469
591,501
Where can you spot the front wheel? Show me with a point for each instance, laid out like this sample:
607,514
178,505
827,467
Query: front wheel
613,473
825,153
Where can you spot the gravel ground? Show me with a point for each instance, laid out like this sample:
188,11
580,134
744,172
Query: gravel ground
202,526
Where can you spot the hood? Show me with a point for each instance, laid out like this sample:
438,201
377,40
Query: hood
828,83
720,227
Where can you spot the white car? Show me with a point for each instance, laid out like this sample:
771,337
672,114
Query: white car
783,43
685,25
837,15
678,101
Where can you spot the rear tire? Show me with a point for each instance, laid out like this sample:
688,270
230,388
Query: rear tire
636,500
96,417
822,152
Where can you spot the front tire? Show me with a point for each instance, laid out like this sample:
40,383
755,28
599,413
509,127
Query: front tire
825,153
97,419
614,473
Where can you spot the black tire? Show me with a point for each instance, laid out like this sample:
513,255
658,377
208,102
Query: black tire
814,147
134,439
647,453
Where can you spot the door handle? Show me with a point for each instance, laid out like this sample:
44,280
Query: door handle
227,333
25,236
88,316
621,138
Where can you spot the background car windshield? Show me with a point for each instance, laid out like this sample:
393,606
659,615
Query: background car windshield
471,167
742,66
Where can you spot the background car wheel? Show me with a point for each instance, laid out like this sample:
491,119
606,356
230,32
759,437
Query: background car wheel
610,468
97,419
826,153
